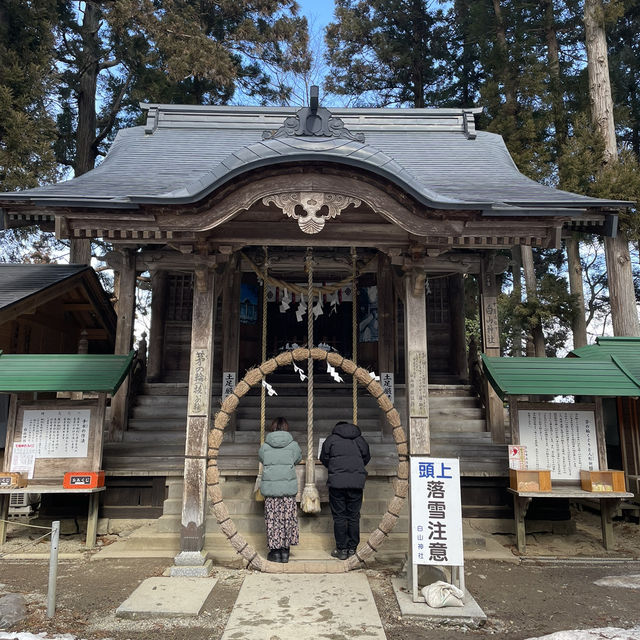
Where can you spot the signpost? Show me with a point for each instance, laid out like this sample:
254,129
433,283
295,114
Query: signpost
436,517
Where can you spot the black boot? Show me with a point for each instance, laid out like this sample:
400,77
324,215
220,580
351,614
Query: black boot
284,554
274,555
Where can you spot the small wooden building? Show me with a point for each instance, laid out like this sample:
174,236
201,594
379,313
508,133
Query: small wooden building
390,209
52,308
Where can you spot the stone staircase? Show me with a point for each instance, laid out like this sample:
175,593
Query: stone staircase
155,439
154,445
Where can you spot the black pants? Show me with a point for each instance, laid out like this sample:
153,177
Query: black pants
345,508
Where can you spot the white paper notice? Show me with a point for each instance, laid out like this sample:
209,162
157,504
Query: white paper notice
518,457
320,443
57,434
23,458
563,440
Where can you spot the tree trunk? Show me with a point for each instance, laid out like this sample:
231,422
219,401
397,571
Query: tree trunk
89,65
507,75
599,81
532,293
516,271
578,324
462,9
557,101
624,313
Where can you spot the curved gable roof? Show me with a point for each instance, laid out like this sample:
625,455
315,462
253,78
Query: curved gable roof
185,153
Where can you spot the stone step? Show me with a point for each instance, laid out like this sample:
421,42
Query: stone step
227,449
483,437
313,546
453,425
454,413
249,506
177,436
367,425
317,523
453,401
250,403
228,465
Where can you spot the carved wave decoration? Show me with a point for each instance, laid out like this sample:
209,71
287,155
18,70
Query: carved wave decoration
312,220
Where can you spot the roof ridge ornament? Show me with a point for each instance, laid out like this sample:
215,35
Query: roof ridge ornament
313,121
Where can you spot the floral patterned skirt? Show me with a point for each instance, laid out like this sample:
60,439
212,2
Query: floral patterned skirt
281,520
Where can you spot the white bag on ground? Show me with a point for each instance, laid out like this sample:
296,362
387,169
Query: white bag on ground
442,594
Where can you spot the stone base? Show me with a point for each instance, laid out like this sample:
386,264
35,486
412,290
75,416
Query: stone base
190,564
471,614
190,559
190,571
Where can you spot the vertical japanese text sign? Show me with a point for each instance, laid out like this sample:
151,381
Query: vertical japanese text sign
436,511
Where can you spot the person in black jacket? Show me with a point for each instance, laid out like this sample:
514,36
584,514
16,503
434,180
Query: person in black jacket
345,453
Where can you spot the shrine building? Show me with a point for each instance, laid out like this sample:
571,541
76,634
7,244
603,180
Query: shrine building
323,243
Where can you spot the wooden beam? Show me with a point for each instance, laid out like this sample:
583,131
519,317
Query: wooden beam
231,325
80,251
158,316
491,343
126,298
77,306
193,527
458,333
386,322
417,381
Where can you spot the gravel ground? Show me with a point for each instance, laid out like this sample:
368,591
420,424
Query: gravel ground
551,590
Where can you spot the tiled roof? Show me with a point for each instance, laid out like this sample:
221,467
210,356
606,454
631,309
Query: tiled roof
19,281
184,153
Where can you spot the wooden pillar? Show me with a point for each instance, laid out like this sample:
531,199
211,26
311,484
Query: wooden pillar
125,308
80,251
158,317
231,326
491,342
198,413
458,334
386,323
416,384
417,381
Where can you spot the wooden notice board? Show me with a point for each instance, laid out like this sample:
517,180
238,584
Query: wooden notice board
67,435
563,437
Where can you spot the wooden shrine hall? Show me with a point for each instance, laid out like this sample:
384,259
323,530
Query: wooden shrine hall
276,235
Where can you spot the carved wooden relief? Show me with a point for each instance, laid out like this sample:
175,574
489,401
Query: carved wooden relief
312,221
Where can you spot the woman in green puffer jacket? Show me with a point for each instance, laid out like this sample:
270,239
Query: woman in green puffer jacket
279,485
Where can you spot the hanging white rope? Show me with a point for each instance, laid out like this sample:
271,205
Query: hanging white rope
310,502
354,328
263,400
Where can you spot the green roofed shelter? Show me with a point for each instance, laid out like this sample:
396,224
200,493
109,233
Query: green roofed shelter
608,346
614,376
63,372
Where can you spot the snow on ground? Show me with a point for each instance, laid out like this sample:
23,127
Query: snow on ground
7,635
607,633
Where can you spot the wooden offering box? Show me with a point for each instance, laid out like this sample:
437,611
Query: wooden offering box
606,480
12,480
530,479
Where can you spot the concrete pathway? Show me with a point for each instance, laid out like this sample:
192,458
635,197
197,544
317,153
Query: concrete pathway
167,598
291,607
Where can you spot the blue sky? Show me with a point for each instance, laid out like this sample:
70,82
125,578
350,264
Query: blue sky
318,12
